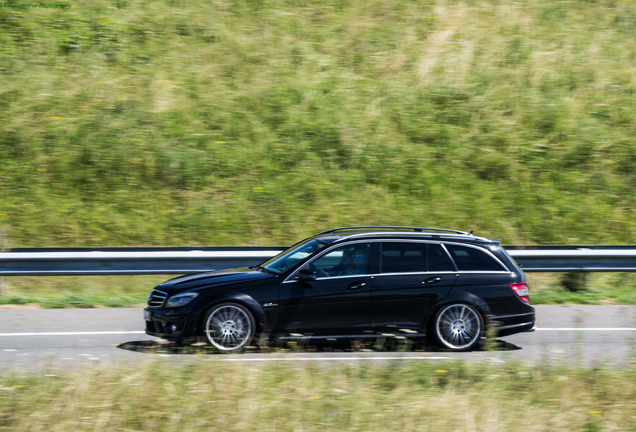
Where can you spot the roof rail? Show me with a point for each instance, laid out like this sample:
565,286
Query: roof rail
403,228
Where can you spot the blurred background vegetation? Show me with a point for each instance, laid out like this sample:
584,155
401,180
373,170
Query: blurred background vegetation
238,122
260,122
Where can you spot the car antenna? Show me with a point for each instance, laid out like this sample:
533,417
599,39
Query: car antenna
471,232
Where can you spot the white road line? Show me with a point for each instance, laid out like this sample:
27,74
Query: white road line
95,333
243,359
587,329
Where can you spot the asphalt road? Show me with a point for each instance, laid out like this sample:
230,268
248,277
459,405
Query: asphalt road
44,339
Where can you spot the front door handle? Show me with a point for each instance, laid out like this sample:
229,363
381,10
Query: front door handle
356,285
432,280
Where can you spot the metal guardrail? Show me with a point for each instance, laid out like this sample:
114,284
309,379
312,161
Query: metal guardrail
576,258
137,261
129,261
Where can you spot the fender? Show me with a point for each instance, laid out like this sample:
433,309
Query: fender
255,307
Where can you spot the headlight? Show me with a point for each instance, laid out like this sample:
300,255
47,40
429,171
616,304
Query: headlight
181,299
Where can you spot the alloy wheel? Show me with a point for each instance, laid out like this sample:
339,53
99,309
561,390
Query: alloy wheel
458,327
229,326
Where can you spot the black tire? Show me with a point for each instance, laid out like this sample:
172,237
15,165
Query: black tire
457,326
229,326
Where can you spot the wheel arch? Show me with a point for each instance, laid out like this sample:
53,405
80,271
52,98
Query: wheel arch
460,297
240,298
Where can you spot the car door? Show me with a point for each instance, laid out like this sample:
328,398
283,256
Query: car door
337,301
413,276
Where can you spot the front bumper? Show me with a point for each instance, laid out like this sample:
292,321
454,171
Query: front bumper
169,324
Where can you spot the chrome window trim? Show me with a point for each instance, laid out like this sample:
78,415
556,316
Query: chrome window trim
345,276
293,276
483,249
459,272
374,275
486,271
415,273
365,275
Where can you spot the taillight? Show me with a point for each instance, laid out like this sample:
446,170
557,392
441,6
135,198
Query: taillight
521,289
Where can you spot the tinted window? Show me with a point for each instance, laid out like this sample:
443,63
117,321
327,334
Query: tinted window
468,258
438,259
342,261
403,257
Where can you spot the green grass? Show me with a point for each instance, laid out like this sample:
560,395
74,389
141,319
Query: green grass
74,291
261,122
595,288
409,396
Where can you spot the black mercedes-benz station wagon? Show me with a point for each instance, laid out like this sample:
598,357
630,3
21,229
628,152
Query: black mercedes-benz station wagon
353,282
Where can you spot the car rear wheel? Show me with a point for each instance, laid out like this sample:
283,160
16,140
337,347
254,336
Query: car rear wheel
229,326
458,326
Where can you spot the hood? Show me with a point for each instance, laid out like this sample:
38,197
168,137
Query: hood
212,279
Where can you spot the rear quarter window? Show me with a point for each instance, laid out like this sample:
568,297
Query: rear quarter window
469,258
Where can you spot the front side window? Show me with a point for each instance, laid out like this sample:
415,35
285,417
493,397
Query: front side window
343,261
472,259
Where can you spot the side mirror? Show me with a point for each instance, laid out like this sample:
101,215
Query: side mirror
306,275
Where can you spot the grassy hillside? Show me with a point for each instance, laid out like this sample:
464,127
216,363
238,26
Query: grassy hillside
259,122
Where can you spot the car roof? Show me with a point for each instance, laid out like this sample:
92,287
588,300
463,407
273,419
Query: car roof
400,232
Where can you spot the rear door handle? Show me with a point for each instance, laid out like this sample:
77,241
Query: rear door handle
432,280
356,285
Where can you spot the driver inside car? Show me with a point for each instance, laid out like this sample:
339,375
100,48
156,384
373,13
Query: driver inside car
353,262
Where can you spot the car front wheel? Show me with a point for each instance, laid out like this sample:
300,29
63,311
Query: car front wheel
458,326
229,326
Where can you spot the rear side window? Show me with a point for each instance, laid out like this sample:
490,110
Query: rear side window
403,257
468,258
414,258
438,259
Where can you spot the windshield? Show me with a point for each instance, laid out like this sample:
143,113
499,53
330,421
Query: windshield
292,256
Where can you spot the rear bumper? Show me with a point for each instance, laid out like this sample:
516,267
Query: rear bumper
510,324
